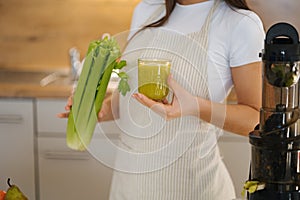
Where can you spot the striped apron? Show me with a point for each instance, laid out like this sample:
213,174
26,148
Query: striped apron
169,160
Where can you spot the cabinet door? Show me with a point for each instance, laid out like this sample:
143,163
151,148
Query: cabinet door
236,152
48,124
67,174
17,145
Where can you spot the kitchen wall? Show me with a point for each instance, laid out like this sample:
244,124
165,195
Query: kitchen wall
273,11
37,34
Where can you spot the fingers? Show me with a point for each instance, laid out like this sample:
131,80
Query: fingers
144,100
105,113
67,108
163,107
101,115
174,86
183,103
63,115
159,108
165,101
69,103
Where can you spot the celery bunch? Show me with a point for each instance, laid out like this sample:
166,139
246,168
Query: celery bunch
101,60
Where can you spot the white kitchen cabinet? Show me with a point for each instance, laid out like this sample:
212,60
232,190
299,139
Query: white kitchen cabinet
65,173
17,145
236,152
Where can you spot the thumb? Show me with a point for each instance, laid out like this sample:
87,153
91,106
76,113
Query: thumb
186,101
174,86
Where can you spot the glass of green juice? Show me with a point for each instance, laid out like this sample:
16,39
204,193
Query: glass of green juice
152,77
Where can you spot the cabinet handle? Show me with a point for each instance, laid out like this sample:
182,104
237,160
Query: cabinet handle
11,119
65,155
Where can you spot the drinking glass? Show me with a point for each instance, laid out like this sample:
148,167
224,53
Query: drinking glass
152,77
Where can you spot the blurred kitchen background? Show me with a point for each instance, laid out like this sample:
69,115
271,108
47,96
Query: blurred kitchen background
36,36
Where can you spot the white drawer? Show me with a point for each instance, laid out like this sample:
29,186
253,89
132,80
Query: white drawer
47,120
17,144
72,174
49,123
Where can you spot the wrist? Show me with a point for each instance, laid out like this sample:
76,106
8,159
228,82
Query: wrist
193,107
204,109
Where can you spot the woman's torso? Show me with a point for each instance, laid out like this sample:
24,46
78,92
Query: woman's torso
236,38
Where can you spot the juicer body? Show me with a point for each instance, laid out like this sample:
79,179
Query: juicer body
275,144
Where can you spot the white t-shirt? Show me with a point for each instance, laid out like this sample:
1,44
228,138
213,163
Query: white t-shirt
236,37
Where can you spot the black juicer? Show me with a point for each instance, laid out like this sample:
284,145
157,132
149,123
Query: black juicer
275,159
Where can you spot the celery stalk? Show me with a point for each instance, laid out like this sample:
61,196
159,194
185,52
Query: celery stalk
99,64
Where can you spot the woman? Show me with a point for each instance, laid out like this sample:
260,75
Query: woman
170,148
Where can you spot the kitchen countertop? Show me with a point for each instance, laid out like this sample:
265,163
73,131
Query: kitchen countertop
34,91
38,84
46,84
29,84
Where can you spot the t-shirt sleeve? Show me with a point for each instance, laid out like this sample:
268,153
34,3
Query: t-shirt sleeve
247,41
141,13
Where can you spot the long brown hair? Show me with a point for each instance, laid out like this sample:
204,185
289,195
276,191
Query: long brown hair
170,4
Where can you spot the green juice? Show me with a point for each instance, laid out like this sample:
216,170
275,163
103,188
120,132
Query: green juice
152,78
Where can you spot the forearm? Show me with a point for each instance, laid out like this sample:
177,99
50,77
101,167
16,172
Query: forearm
240,118
236,118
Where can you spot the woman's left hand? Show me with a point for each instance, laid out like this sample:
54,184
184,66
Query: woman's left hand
183,103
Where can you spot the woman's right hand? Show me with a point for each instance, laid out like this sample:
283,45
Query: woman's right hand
106,113
67,108
109,110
